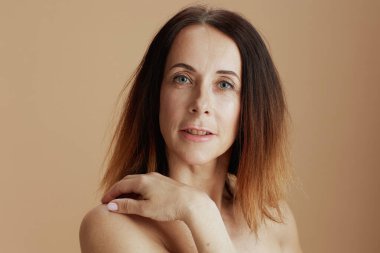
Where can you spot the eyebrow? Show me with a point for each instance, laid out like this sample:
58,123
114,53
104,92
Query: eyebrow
190,68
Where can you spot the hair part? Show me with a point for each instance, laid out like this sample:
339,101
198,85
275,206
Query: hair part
258,159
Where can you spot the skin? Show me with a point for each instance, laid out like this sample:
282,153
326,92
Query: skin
201,98
189,211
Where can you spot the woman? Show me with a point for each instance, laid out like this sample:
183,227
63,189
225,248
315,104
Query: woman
197,161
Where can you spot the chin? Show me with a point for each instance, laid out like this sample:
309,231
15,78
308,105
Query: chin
197,158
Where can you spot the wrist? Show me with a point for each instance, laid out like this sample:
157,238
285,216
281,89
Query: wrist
205,222
200,205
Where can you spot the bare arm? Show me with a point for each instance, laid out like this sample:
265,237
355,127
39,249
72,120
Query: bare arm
102,231
164,199
208,229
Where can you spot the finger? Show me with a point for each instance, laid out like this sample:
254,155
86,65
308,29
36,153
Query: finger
118,189
125,206
125,186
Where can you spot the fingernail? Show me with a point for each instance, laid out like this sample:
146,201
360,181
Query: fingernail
112,206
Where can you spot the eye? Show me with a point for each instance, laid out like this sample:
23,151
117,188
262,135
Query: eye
181,79
225,85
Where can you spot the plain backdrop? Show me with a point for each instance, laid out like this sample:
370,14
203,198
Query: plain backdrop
63,64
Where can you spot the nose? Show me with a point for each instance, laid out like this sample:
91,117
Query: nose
201,101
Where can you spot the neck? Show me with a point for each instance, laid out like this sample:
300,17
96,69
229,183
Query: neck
209,178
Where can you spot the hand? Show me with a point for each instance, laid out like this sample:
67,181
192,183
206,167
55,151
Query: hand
161,198
153,196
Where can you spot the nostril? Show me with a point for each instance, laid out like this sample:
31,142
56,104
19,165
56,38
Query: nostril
196,110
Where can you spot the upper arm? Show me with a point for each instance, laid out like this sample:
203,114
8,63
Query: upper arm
102,231
288,234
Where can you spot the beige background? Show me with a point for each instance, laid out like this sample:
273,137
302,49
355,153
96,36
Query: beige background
63,63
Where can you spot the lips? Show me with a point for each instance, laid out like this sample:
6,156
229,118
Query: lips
197,132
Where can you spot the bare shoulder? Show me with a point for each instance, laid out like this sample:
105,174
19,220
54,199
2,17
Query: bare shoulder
287,233
103,231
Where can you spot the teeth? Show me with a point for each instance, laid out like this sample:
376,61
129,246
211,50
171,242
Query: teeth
196,132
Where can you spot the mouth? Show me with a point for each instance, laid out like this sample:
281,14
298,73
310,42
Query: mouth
197,132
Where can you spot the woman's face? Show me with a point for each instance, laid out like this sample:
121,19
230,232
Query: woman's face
200,95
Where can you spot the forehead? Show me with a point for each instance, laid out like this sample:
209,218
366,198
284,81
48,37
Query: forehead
205,48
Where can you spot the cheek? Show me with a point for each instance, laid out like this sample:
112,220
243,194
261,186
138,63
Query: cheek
170,110
229,113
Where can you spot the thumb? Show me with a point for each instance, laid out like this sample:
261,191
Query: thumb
126,206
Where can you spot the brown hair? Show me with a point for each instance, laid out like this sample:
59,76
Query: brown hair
258,153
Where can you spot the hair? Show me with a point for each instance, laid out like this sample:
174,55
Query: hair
259,153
